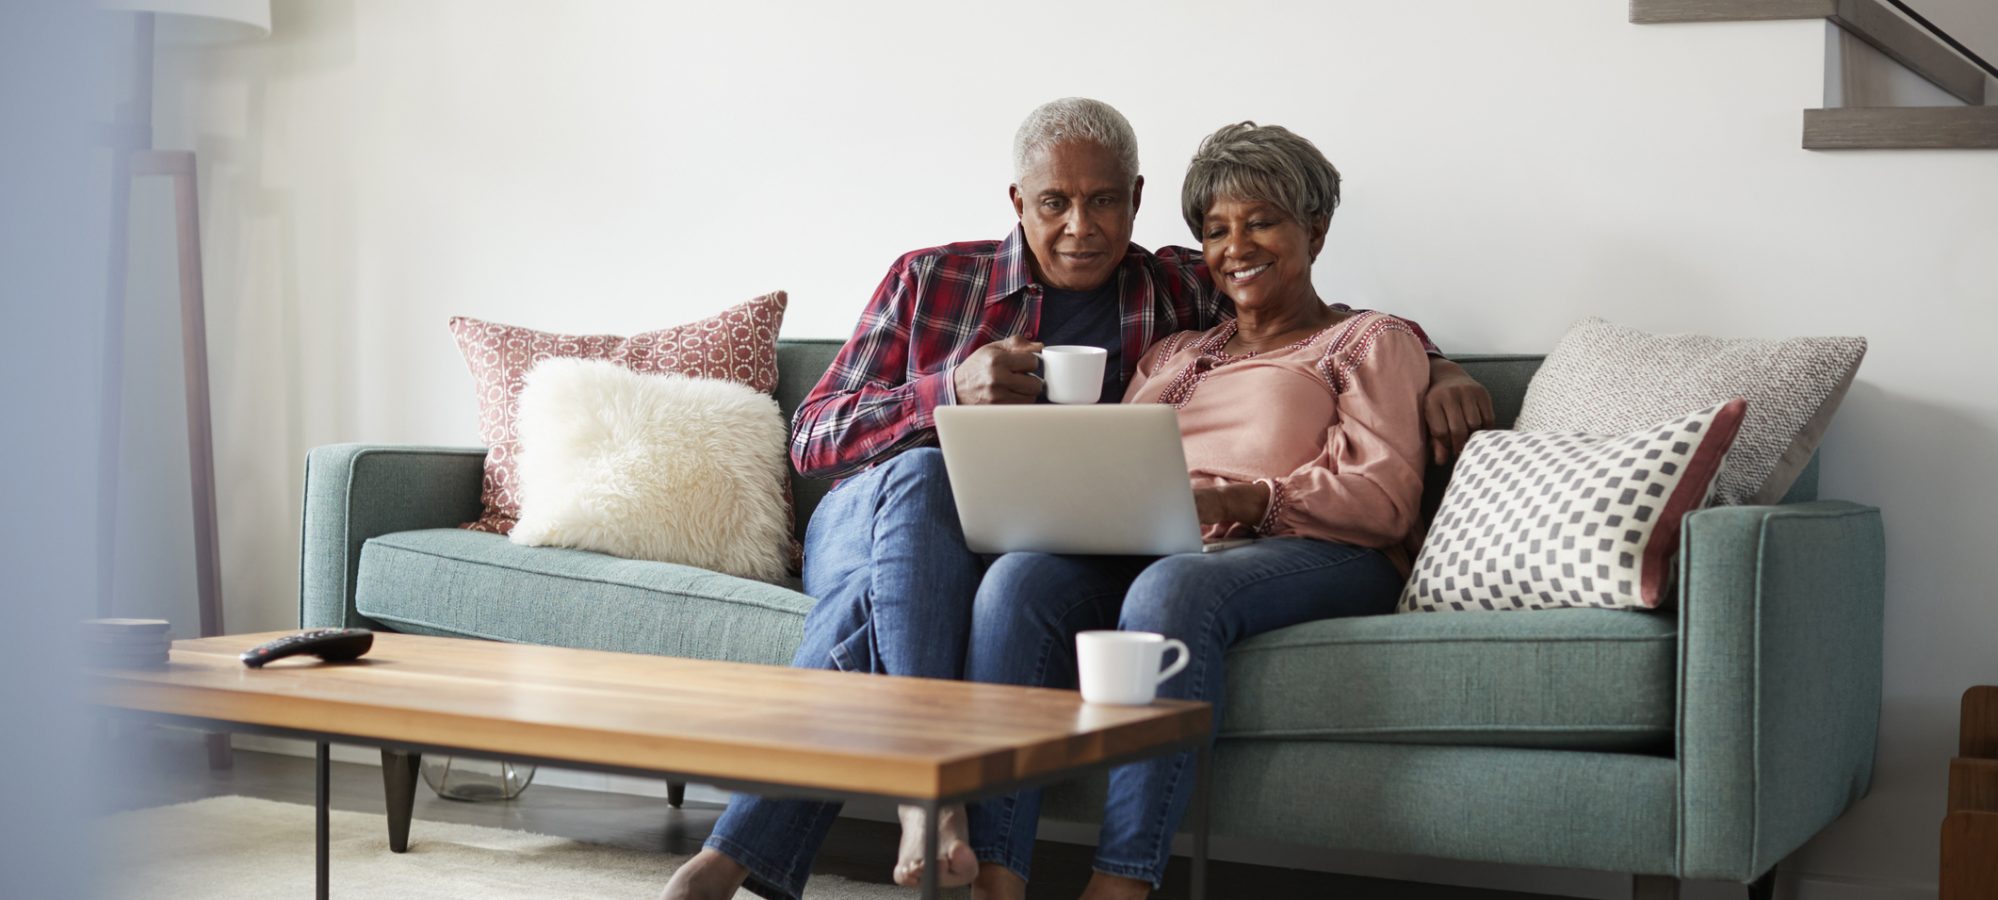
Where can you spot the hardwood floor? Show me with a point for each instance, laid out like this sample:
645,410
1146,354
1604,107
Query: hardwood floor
166,765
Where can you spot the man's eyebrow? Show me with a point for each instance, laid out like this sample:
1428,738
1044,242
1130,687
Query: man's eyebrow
1061,193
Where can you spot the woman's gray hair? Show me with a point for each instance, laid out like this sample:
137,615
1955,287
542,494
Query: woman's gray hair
1075,118
1269,163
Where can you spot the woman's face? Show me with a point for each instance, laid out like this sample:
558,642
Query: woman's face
1258,255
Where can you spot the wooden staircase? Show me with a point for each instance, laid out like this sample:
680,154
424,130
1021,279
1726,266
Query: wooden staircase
1908,41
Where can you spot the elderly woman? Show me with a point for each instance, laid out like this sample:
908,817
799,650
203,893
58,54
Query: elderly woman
1303,427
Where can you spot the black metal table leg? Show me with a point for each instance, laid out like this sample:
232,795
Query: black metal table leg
932,811
323,770
1203,788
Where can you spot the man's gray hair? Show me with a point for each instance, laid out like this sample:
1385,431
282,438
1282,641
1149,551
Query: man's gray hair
1075,118
1246,161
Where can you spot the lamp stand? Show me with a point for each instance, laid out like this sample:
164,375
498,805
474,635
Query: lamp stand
136,159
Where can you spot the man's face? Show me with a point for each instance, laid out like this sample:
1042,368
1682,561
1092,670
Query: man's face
1077,206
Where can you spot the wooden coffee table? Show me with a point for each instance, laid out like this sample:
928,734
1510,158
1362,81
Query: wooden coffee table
768,729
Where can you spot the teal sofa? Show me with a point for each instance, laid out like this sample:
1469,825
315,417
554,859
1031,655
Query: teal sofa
1705,741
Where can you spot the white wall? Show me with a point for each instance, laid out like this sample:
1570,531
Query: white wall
376,167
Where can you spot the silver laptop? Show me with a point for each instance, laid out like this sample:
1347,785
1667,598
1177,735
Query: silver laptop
1086,479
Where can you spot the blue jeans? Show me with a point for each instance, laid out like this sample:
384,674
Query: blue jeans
1031,605
885,557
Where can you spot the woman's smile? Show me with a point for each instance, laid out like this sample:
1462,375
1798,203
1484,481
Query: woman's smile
1244,276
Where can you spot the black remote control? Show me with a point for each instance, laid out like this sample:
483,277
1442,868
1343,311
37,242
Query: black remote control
329,644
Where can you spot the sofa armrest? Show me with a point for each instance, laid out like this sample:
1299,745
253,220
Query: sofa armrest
1780,619
356,491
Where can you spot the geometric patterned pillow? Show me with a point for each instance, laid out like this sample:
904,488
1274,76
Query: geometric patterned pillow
736,344
1544,520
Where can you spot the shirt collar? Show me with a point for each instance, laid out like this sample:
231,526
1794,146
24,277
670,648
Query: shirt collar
1012,273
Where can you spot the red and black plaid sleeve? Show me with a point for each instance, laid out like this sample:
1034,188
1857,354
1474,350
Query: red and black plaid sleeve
868,406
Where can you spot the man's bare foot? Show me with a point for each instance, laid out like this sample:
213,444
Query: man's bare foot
959,866
998,883
1103,886
710,875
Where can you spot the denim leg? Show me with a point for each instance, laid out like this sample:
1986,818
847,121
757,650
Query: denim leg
885,558
891,572
774,839
1211,601
1023,626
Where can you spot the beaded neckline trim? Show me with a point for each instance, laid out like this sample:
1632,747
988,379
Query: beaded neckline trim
1211,356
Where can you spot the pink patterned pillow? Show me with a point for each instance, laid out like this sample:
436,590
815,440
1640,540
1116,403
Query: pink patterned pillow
737,344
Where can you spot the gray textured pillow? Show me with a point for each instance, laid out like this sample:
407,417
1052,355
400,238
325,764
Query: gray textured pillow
1604,378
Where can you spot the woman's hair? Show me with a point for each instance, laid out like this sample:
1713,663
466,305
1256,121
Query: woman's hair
1075,118
1269,163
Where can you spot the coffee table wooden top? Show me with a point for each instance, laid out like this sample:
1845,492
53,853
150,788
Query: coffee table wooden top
850,733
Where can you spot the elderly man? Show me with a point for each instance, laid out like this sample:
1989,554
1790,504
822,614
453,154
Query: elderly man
960,324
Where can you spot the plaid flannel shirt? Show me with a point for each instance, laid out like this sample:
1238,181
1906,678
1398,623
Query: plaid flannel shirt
938,305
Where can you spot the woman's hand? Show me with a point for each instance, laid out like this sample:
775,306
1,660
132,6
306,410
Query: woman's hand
1231,503
1455,405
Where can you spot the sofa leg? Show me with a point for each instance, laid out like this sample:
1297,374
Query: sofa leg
676,793
1763,888
399,785
1654,887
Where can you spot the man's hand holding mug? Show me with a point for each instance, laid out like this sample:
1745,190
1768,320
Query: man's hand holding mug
1004,372
999,372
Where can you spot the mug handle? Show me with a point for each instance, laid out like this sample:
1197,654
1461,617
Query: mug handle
1177,664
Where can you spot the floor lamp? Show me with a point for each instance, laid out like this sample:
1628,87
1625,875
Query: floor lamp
135,157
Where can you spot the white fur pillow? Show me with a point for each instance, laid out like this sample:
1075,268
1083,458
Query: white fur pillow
652,466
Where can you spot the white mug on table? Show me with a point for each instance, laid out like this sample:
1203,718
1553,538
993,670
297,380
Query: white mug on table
1122,667
1073,372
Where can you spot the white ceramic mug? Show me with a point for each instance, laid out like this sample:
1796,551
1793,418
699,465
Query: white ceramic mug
1122,667
1073,372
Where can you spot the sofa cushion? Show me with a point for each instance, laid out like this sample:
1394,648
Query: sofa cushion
1612,812
1545,520
1604,378
800,363
653,466
1584,679
460,583
738,344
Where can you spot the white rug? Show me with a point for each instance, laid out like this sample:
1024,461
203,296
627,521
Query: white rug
224,848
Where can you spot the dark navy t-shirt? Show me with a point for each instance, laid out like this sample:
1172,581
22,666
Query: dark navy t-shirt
1088,318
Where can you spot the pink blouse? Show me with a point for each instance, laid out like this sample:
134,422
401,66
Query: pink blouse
1332,424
